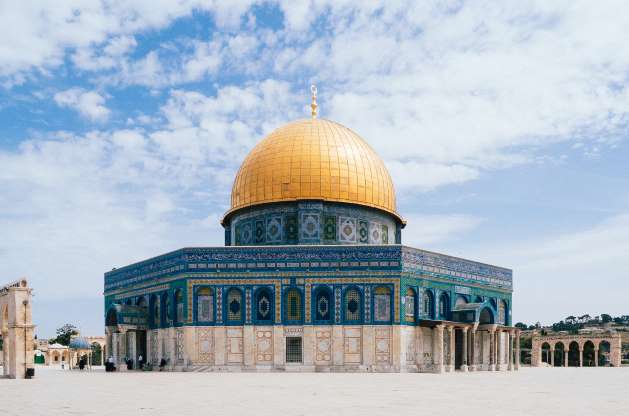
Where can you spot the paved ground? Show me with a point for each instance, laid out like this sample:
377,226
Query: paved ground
543,391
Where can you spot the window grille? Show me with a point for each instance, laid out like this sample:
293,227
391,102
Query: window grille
322,306
409,306
293,305
264,312
428,304
382,304
293,350
352,305
234,305
205,304
179,304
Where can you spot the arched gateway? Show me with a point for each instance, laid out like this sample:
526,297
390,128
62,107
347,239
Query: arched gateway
17,328
313,277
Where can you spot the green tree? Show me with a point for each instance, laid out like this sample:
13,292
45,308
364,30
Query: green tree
520,325
64,334
606,318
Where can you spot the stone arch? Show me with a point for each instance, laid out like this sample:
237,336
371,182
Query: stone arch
154,313
112,316
264,312
444,306
460,300
382,304
410,305
140,301
545,351
428,304
486,316
178,302
559,353
589,355
604,352
574,354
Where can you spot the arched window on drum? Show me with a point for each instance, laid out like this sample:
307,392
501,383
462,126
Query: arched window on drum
410,300
323,305
382,304
352,309
205,304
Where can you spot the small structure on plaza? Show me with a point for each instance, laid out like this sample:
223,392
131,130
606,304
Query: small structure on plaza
313,277
80,353
17,328
57,354
577,350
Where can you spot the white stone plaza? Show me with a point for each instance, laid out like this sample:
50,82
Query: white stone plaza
531,391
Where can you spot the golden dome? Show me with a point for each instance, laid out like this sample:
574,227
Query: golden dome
313,159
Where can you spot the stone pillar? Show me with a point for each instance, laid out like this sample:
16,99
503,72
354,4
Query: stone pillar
580,356
338,345
510,354
595,357
552,356
466,349
517,350
248,346
565,357
492,348
451,348
472,351
115,348
220,345
437,348
499,353
131,346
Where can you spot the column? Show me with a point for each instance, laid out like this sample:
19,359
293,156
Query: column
510,354
595,357
437,348
451,348
466,349
552,356
492,347
565,357
517,350
472,351
499,350
114,347
580,356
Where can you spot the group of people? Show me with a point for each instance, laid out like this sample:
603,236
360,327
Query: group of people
110,364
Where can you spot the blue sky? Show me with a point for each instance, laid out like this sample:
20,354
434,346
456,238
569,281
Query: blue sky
504,126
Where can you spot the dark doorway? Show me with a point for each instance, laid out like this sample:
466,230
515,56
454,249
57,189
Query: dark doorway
293,350
140,345
458,348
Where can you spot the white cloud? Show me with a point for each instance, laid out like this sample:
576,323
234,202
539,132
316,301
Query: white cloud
89,104
427,230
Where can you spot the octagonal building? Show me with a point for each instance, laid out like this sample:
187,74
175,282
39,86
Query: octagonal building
313,277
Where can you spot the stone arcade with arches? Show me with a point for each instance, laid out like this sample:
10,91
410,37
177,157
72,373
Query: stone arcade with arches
17,328
582,350
313,277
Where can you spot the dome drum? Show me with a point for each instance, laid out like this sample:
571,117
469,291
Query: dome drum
311,222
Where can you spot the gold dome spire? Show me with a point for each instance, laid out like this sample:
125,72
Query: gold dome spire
313,159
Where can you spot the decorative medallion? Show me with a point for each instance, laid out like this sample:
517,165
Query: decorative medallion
347,230
310,226
385,234
363,231
274,230
375,235
329,228
260,232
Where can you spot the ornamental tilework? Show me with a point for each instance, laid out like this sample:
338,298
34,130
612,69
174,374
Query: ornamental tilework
154,352
383,345
337,305
264,346
352,345
274,230
363,231
329,228
219,304
234,346
291,228
248,305
385,234
260,232
347,230
307,302
309,226
205,345
367,304
179,346
375,232
323,344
